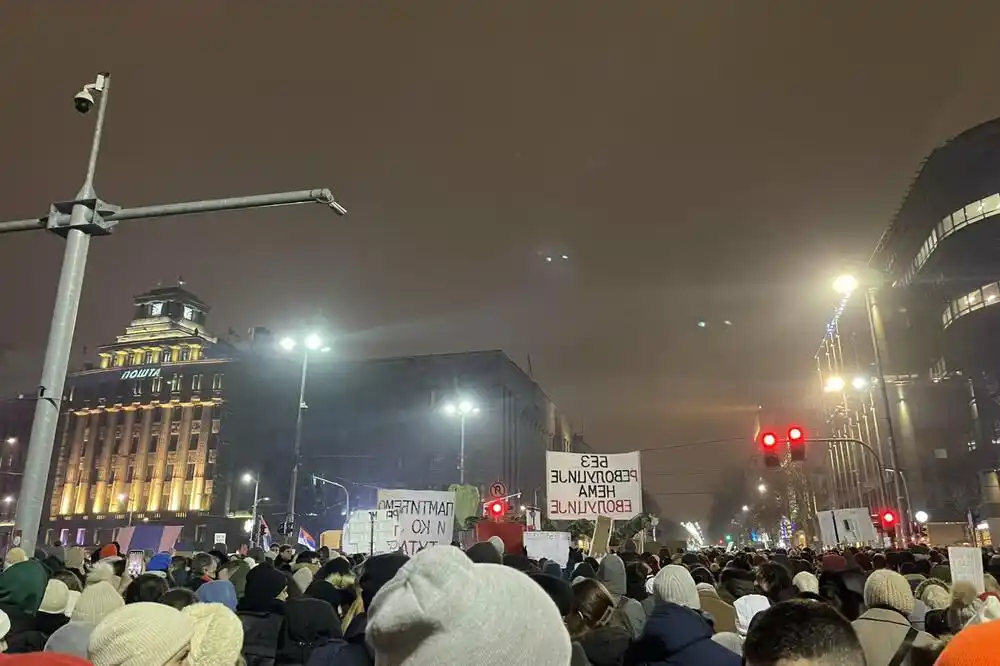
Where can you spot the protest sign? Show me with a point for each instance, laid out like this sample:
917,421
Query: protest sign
966,563
585,485
553,546
424,517
370,532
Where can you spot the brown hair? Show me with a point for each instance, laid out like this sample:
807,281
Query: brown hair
592,608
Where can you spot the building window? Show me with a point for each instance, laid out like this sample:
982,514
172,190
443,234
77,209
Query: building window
168,355
157,416
149,477
196,383
157,385
137,388
81,536
135,444
174,440
116,361
148,357
168,473
156,309
176,414
216,425
190,472
186,354
175,382
129,474
64,535
197,413
217,381
188,312
193,444
154,443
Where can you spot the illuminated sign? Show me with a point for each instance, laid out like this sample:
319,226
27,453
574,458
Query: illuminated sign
143,373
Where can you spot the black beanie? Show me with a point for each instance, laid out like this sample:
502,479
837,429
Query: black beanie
560,591
484,553
376,572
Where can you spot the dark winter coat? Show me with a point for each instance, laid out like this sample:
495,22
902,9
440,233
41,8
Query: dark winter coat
606,646
262,625
678,636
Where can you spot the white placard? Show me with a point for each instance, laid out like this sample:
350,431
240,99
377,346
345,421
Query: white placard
846,526
220,537
370,532
424,517
966,563
585,485
552,546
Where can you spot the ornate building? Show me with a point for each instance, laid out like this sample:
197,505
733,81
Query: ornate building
141,430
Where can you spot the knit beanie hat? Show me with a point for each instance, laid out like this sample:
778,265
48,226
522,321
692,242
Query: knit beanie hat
376,572
302,577
71,638
141,634
972,646
75,558
484,552
56,597
218,635
834,563
14,555
71,600
887,588
674,584
806,582
498,544
96,602
433,611
102,571
218,592
22,585
109,550
158,562
936,597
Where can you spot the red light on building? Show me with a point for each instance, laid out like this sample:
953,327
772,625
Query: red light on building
794,434
768,440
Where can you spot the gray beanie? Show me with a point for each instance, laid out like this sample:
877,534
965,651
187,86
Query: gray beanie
674,583
886,588
436,607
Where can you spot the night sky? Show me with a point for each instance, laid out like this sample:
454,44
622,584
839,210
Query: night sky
697,161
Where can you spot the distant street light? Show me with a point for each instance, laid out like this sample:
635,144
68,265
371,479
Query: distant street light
921,517
745,508
762,489
845,284
462,409
122,497
255,480
77,220
834,384
859,383
311,343
12,440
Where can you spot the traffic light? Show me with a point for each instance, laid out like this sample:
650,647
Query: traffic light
797,443
769,447
497,509
889,520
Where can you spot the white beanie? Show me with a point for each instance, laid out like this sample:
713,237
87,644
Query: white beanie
746,607
56,597
674,584
141,634
498,544
806,582
303,576
886,588
71,600
96,602
218,635
435,609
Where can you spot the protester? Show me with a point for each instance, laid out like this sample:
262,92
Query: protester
147,587
801,632
203,570
435,608
52,611
774,582
747,608
143,633
589,623
723,614
218,592
217,636
262,611
884,629
627,612
178,598
22,587
311,635
806,581
375,573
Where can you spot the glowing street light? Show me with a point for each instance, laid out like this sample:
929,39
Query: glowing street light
462,409
255,480
762,489
745,508
11,440
921,517
834,384
288,344
859,383
845,284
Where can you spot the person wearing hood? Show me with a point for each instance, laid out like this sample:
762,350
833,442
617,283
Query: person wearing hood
735,582
95,603
52,611
674,584
375,573
746,608
627,612
22,588
678,636
218,592
484,552
262,611
636,575
311,635
723,614
76,558
589,624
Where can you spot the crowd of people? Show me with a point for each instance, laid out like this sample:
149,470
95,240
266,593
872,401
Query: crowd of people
486,606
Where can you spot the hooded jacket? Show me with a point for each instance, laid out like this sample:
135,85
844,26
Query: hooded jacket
678,636
311,628
606,646
611,573
22,587
262,615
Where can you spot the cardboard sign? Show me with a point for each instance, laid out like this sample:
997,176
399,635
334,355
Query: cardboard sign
553,546
370,532
585,485
966,563
424,517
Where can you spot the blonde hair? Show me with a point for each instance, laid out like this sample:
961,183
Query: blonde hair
356,609
342,581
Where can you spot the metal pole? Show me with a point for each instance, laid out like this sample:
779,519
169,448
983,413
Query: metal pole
296,445
875,325
253,512
89,215
461,451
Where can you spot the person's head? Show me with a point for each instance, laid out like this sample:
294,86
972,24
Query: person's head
558,590
773,580
71,580
96,602
178,598
338,573
307,557
275,548
204,564
266,585
286,553
805,581
702,575
147,587
674,584
142,633
217,635
888,589
801,632
592,608
178,562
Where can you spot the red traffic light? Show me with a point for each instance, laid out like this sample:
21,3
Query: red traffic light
795,434
768,440
888,517
498,508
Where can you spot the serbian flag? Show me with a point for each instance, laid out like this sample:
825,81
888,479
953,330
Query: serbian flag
306,539
265,534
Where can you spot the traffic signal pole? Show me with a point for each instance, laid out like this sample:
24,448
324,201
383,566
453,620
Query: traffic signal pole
76,221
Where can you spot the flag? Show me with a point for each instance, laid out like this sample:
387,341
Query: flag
265,534
306,539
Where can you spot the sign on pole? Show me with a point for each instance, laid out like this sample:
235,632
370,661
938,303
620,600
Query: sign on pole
498,489
586,485
553,546
425,517
370,532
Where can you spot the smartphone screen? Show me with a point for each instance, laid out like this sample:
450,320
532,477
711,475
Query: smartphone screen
135,562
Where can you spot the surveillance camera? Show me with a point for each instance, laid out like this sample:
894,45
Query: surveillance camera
83,101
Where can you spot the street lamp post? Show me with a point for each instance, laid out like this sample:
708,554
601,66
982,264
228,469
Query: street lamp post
311,343
77,220
462,409
247,478
347,494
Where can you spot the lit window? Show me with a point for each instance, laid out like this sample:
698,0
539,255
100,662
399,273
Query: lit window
168,473
185,354
137,388
991,293
175,382
156,309
174,441
217,381
81,536
188,313
154,443
196,383
168,355
176,416
148,358
157,385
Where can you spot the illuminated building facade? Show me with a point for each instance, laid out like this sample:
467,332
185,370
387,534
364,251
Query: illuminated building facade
930,299
141,430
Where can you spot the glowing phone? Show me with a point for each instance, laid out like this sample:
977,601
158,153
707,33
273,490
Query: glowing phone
135,563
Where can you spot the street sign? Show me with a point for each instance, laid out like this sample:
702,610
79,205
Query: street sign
498,489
